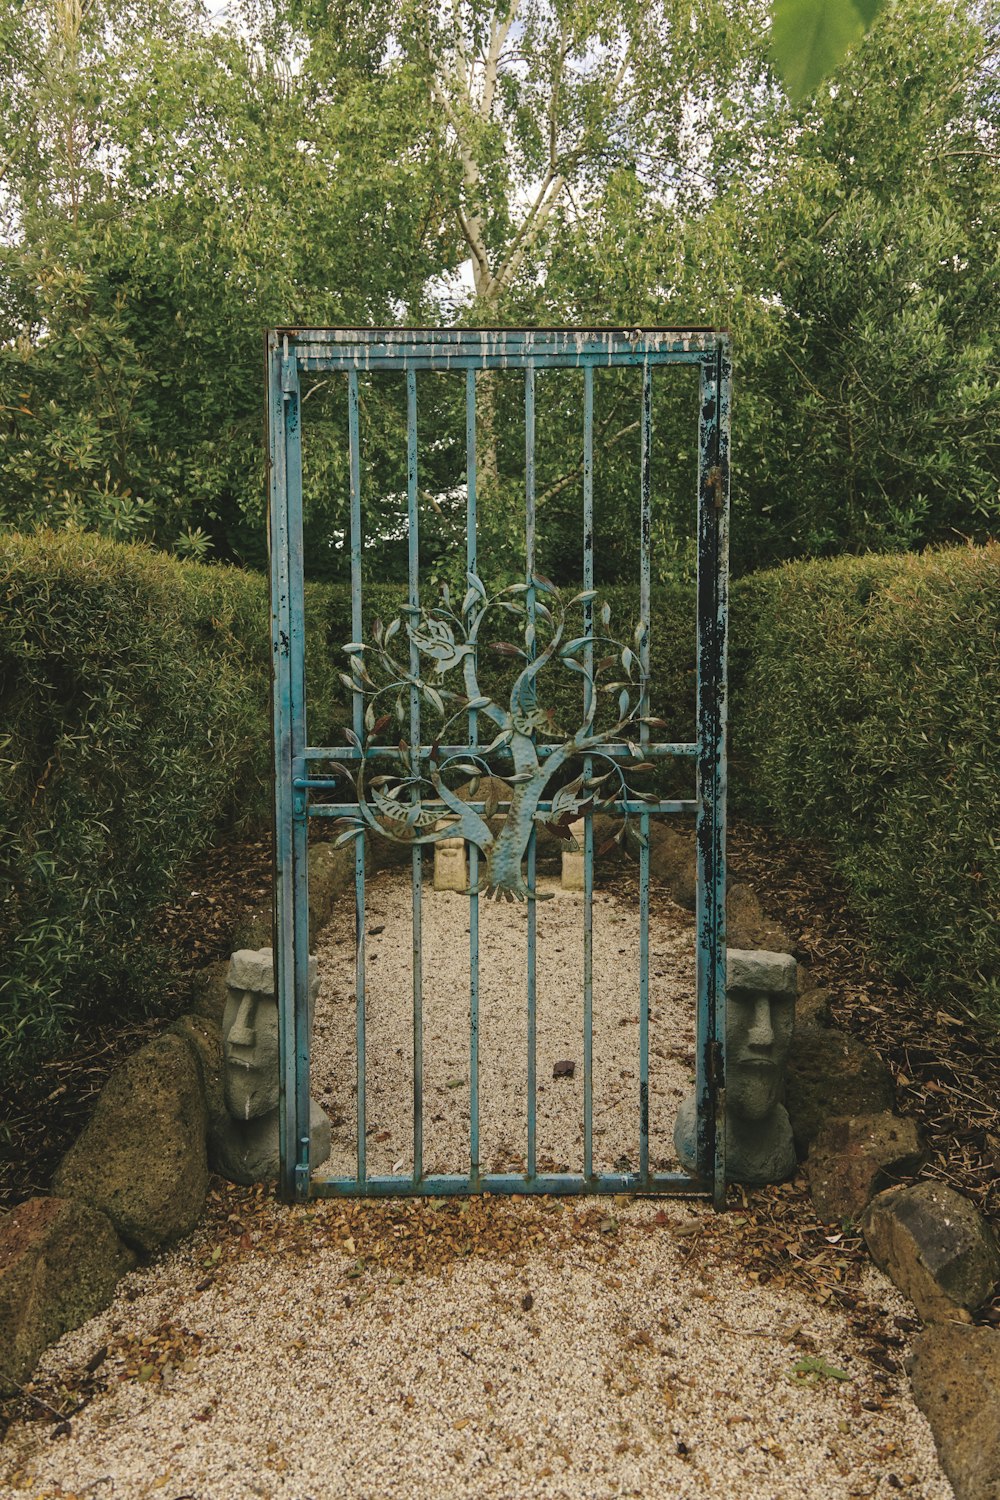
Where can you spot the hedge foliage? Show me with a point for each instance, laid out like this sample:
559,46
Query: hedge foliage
134,705
867,717
864,716
135,718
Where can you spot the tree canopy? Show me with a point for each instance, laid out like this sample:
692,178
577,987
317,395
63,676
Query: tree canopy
173,184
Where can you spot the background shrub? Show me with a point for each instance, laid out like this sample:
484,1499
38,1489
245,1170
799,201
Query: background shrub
866,715
134,700
135,697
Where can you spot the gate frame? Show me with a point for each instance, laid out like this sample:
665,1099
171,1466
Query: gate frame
353,350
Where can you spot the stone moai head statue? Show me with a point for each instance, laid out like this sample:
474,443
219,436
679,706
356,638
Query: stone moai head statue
760,1018
250,1033
244,1141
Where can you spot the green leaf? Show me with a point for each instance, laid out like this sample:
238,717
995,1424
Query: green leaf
810,38
811,1368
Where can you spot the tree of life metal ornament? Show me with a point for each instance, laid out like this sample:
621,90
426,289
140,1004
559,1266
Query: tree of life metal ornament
423,808
413,786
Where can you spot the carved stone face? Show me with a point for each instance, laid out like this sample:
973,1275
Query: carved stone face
758,1037
250,1043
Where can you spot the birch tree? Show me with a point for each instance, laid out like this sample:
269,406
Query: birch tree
169,188
543,105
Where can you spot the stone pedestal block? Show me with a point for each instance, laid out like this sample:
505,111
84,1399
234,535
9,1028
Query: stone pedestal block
572,859
247,1150
757,1151
450,866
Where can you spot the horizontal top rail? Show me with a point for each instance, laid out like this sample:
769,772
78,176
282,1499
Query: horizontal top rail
496,348
440,753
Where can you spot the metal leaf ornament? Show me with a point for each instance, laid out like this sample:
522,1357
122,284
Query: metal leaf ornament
424,806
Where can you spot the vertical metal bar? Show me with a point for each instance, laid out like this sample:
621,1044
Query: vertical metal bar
645,611
721,510
588,768
291,821
713,493
281,714
417,878
471,564
358,714
529,505
300,819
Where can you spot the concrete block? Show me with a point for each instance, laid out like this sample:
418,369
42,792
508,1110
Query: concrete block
572,859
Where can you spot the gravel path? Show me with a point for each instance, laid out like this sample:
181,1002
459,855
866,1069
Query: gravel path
503,1029
498,1348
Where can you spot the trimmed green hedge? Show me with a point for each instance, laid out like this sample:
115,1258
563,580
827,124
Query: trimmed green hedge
136,726
866,716
134,704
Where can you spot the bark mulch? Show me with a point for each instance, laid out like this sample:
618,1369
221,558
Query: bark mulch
944,1060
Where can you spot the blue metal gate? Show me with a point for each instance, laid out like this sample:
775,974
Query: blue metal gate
417,802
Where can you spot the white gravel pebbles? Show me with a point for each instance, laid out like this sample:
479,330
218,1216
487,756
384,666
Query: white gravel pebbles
594,1365
503,942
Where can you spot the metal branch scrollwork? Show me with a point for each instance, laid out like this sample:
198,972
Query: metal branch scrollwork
425,805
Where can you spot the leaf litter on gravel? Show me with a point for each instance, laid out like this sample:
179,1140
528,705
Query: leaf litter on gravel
150,1358
404,1236
771,1234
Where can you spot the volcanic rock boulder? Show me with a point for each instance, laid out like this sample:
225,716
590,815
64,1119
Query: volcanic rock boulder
831,1075
955,1375
142,1158
59,1264
853,1159
935,1246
